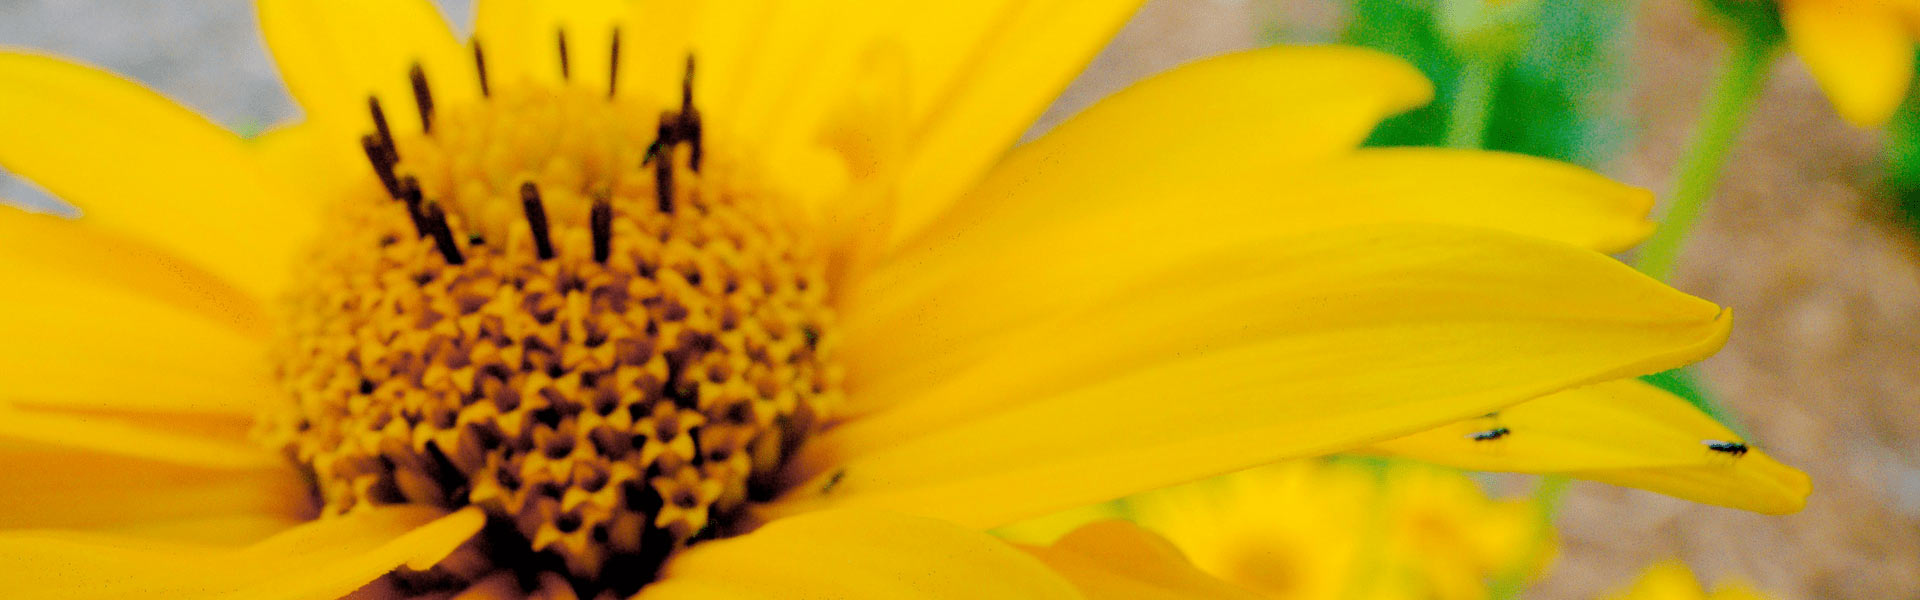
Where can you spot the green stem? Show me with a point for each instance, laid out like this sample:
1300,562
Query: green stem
1472,98
1734,89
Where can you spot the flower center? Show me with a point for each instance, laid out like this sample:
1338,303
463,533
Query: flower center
591,326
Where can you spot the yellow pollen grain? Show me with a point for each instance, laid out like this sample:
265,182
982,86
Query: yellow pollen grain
606,413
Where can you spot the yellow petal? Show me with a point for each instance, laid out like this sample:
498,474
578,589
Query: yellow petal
1860,51
1228,114
1627,432
310,157
982,73
1116,559
1760,484
322,560
40,248
334,54
78,343
113,436
49,487
1300,347
1509,192
853,555
135,162
522,42
1050,249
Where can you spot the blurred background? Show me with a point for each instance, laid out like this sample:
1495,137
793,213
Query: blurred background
1803,240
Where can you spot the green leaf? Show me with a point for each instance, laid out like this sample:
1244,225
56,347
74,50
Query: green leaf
1555,98
1559,98
1685,383
1409,29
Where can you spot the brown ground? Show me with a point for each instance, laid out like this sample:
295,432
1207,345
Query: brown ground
1824,366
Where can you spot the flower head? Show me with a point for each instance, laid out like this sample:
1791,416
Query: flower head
658,297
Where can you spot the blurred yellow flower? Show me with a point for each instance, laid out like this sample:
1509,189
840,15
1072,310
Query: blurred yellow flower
1671,580
1345,529
1861,51
652,297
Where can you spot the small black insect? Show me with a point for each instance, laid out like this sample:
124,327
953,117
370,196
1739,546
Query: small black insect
1734,449
833,481
1490,434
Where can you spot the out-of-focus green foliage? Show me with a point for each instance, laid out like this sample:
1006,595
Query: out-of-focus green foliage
1557,92
1903,160
1748,18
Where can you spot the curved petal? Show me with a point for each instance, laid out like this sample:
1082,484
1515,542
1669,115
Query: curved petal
1860,52
40,248
1627,432
334,54
76,343
137,163
1231,115
1116,559
521,38
113,436
49,487
982,73
855,555
1498,190
322,560
1298,348
1051,249
311,158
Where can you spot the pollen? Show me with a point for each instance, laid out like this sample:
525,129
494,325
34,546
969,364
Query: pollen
560,306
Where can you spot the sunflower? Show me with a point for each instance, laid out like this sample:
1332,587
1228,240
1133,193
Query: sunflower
1311,529
1860,51
752,298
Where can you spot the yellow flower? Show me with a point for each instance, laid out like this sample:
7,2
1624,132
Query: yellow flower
1861,51
754,298
1343,529
1671,580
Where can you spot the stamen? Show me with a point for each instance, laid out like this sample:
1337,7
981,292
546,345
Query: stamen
662,156
382,163
602,224
566,71
380,126
536,219
436,219
689,126
613,66
423,96
480,66
409,192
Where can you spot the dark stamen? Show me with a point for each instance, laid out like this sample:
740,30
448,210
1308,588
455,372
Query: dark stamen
443,234
690,133
480,66
686,87
602,224
662,156
410,194
566,71
536,219
613,66
423,96
382,164
689,126
380,125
